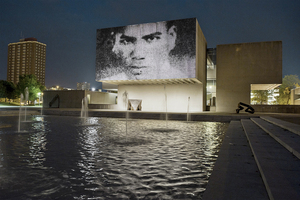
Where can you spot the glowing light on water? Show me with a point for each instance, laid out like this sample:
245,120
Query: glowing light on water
62,157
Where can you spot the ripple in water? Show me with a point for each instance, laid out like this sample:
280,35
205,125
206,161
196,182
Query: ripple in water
67,158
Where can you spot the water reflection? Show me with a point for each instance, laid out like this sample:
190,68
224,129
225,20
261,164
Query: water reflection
65,157
152,164
37,147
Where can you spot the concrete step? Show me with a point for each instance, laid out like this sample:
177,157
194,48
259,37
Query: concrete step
16,112
289,140
295,128
280,170
235,174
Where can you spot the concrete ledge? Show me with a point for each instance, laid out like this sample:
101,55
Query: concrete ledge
16,112
208,116
295,128
277,108
102,106
287,139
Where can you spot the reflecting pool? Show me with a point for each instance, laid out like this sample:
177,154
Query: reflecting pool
61,157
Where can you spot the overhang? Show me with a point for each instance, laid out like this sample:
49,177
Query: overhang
153,81
264,86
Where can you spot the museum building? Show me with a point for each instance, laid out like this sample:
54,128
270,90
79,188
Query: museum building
166,66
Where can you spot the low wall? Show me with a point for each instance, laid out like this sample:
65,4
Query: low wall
73,99
277,108
102,106
102,97
67,98
151,115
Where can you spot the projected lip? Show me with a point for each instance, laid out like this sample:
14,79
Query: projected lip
137,70
137,67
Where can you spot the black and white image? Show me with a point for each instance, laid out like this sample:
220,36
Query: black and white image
162,50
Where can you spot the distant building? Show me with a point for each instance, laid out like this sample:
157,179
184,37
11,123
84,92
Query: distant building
295,96
28,56
83,86
58,88
211,77
272,96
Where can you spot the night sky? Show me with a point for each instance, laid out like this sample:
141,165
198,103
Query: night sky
68,28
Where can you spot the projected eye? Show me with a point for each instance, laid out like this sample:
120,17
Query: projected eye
151,38
127,40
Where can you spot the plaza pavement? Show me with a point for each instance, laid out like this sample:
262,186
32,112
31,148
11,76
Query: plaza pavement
259,157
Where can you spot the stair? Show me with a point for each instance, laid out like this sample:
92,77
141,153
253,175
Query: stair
235,174
295,128
286,138
280,170
274,146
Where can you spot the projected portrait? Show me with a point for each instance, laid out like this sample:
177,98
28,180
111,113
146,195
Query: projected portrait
162,50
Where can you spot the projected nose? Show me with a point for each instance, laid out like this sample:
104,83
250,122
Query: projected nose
138,52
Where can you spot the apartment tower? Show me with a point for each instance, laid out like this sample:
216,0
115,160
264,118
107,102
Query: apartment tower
28,56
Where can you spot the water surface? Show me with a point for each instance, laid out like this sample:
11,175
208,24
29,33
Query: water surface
95,158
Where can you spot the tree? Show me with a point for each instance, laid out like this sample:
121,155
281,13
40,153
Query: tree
2,89
7,90
34,87
289,82
261,96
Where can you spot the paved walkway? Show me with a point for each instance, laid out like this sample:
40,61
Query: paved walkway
258,156
235,174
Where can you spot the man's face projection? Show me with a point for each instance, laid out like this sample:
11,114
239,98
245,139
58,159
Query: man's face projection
145,49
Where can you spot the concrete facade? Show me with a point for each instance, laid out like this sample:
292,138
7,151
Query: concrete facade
101,97
201,69
153,94
154,97
240,65
73,98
